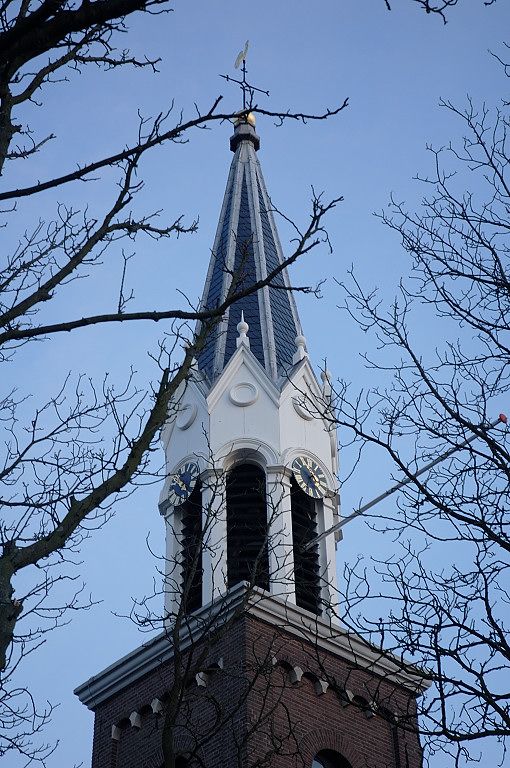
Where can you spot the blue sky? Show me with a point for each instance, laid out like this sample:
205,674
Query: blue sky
394,67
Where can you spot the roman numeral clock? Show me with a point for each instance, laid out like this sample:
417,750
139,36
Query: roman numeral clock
310,477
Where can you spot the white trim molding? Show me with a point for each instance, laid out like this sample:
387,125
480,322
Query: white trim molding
281,614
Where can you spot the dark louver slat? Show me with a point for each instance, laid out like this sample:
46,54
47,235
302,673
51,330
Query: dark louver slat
247,558
191,570
306,563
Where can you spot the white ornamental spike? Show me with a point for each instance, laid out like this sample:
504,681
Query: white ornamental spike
242,329
300,352
326,384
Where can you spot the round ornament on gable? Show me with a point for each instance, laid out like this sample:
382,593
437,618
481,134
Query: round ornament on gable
301,409
244,394
186,416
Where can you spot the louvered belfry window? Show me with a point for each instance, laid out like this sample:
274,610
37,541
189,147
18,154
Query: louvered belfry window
247,558
306,563
191,533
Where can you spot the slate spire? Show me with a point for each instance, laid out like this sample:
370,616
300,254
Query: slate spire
247,243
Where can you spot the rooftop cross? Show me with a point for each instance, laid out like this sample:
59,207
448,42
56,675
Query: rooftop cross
246,88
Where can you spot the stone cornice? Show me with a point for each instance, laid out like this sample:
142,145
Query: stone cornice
272,610
330,637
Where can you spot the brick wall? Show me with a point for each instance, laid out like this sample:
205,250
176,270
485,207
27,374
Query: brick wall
278,700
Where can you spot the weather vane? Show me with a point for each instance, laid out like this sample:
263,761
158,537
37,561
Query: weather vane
247,89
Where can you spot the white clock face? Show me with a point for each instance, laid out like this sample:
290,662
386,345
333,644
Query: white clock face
182,483
310,477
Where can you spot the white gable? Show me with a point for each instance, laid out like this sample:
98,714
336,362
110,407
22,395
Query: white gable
243,406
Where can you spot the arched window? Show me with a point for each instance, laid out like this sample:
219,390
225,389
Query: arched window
247,558
191,533
327,758
306,563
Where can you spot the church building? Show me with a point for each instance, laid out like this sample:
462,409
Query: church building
253,667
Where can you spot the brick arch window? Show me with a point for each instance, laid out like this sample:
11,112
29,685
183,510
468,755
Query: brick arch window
247,556
328,758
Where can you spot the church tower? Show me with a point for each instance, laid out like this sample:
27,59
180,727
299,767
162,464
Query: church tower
252,667
247,445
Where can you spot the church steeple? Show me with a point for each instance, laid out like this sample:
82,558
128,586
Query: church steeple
247,246
248,423
251,648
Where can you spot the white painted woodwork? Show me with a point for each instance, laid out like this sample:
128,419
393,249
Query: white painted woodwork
244,415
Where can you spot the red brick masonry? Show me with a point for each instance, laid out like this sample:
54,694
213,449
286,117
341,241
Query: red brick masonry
266,696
